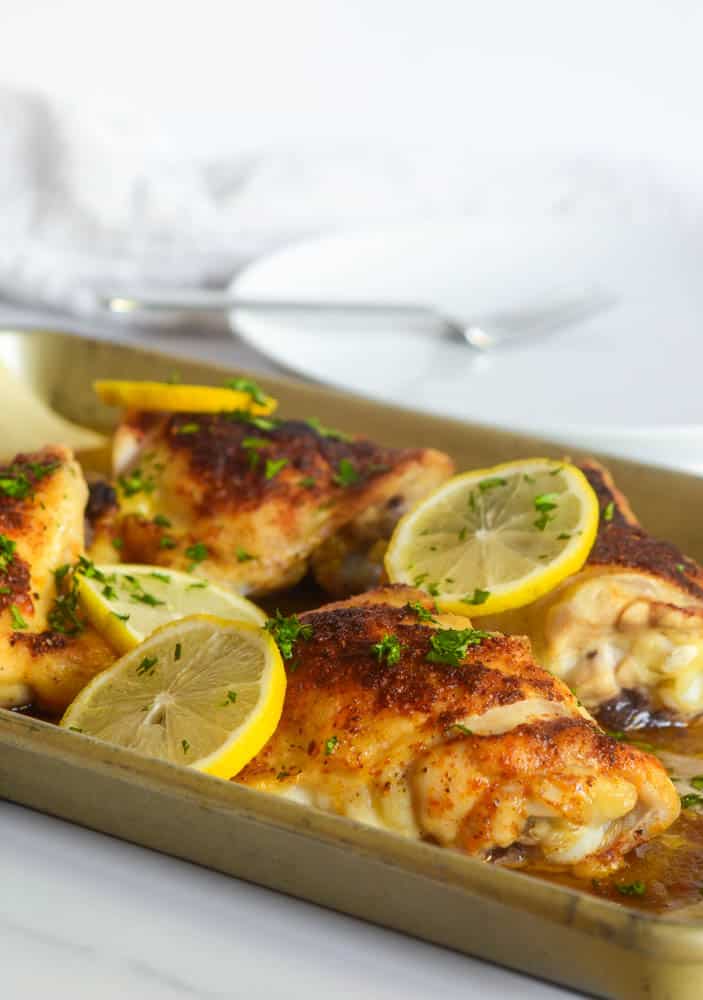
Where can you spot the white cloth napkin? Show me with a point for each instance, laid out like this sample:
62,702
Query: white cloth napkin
89,204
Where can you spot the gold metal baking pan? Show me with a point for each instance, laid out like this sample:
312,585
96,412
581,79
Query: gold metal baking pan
507,917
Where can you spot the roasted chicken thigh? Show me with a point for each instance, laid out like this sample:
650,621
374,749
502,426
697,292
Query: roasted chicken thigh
247,501
415,722
626,633
42,502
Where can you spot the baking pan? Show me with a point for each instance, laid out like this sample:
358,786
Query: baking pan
508,917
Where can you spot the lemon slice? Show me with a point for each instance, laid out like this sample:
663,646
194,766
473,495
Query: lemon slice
244,395
496,538
200,691
127,603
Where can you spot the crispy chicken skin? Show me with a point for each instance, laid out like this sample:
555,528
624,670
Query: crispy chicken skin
42,500
491,756
626,633
247,503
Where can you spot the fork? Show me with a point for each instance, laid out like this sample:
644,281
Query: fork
493,330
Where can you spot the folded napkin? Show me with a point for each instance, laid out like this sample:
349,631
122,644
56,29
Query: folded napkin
93,202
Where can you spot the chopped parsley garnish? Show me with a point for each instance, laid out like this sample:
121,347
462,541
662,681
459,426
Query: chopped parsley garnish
529,479
308,482
327,432
164,577
135,483
17,619
244,417
162,521
450,645
463,533
144,598
167,543
122,618
63,616
544,503
247,385
117,543
555,472
146,667
230,699
433,588
7,552
461,727
680,567
199,585
286,632
387,649
637,888
177,651
331,745
186,746
421,611
109,592
347,473
691,800
252,445
16,484
609,511
197,552
274,466
564,536
190,428
492,483
243,555
420,578
697,782
5,590
282,775
479,596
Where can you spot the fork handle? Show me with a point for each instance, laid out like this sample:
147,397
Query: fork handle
199,300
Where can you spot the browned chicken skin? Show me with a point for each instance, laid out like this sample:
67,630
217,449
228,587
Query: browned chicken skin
42,501
626,633
247,503
487,753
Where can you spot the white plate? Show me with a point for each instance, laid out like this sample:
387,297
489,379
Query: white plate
627,380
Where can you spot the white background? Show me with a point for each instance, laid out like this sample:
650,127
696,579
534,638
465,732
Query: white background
81,915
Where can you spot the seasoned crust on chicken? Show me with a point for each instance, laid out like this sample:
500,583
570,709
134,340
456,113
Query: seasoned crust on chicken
489,754
246,503
626,633
42,500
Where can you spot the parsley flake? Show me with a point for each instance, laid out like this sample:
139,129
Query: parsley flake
146,667
248,385
18,621
177,652
609,511
190,428
197,552
387,649
421,611
450,645
185,745
461,728
479,597
492,483
135,483
347,473
637,888
167,543
7,552
243,555
162,521
691,801
327,432
274,466
331,745
286,632
230,699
